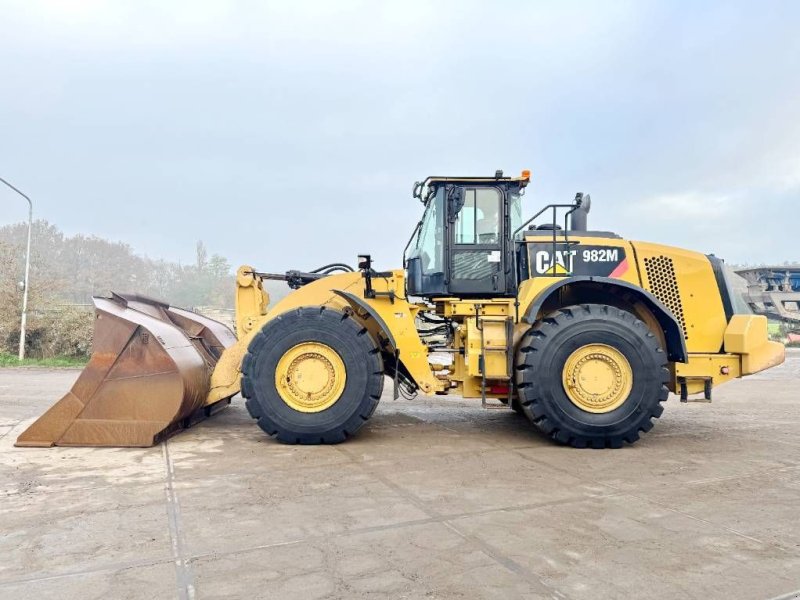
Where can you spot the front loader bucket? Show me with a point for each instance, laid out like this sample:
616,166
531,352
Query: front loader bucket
147,378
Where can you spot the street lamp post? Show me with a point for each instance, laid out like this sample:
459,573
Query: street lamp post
24,319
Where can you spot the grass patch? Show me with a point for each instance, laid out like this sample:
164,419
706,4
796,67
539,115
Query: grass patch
10,360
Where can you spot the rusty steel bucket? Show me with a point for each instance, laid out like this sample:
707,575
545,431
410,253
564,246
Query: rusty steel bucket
148,377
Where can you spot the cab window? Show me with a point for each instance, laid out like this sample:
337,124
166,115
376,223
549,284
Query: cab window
478,221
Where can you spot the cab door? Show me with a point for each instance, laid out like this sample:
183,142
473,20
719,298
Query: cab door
477,252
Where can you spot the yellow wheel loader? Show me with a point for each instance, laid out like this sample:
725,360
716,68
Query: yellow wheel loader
583,332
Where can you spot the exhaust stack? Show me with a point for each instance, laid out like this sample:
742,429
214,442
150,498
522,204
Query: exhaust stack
580,216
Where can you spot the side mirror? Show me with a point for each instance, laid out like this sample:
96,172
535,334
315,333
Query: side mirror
416,191
455,201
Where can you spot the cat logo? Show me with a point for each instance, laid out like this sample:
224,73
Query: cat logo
577,259
562,265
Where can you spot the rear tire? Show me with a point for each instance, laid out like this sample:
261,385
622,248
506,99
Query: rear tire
517,407
597,418
348,345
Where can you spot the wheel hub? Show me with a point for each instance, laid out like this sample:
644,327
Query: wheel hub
310,377
597,378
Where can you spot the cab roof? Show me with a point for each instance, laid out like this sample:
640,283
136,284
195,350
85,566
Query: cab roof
521,181
523,178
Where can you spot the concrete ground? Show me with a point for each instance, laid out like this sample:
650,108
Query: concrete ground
435,498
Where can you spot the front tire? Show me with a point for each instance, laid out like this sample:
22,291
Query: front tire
591,375
313,375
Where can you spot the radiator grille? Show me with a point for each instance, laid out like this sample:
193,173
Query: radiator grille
664,284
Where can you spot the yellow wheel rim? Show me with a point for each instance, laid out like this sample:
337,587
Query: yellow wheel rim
597,378
310,377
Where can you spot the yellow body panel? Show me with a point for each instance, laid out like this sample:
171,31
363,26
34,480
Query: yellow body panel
684,282
495,307
495,347
747,335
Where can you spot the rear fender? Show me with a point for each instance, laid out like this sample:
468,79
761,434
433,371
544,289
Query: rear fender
671,329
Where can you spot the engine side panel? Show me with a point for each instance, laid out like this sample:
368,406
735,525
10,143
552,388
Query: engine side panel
684,282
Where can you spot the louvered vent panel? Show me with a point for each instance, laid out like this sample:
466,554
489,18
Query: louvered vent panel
664,285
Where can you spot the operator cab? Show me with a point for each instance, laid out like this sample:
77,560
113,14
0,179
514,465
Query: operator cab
462,246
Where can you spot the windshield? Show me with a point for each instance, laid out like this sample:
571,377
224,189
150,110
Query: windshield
428,245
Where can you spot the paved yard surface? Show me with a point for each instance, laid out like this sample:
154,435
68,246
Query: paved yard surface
436,498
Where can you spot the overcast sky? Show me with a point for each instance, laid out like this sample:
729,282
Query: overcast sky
288,134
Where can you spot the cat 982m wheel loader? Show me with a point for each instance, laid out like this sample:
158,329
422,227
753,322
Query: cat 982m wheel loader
582,331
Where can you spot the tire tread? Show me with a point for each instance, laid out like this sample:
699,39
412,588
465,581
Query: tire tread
529,376
349,327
